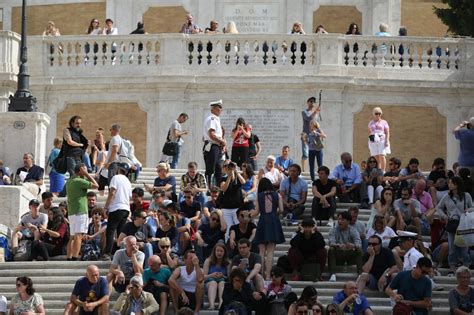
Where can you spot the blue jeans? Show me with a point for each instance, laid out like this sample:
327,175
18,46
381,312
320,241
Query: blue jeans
87,161
174,162
304,150
319,159
456,252
148,251
71,164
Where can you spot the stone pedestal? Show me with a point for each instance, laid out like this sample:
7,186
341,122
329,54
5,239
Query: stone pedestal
23,132
15,201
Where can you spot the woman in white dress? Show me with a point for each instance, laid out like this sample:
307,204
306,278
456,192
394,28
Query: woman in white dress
379,138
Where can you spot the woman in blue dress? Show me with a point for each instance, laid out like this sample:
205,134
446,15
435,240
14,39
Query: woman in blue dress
269,231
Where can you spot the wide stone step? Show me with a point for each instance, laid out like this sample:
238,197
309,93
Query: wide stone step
378,310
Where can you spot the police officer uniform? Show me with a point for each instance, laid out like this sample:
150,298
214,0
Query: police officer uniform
212,150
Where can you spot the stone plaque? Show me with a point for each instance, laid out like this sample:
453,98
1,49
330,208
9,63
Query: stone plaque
253,17
275,128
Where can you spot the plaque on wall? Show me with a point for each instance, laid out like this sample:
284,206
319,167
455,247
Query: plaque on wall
275,128
253,17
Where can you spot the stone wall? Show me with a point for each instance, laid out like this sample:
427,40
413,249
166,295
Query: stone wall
336,19
419,18
128,115
71,19
165,19
416,131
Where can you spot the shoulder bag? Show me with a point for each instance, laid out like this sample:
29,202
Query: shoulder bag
170,148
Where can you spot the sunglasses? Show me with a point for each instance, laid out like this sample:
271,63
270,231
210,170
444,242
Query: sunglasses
372,161
378,114
317,311
332,311
19,285
165,246
214,219
373,244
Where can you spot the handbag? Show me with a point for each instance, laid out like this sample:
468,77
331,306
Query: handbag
453,222
402,309
318,143
452,225
464,236
170,148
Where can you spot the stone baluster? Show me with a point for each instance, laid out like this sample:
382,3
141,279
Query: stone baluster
255,49
426,57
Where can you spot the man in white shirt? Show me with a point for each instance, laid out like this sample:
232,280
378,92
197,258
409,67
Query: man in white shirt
117,206
175,134
214,143
115,148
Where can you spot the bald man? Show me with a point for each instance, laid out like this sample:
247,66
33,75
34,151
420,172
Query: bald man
351,301
155,281
90,294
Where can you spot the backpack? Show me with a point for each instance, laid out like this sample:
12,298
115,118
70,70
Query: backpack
6,250
236,308
90,251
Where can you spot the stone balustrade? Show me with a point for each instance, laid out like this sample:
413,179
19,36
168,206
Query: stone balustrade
288,55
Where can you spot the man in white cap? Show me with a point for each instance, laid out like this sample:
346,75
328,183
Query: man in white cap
214,142
464,132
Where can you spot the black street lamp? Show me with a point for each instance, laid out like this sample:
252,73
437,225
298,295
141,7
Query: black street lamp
23,100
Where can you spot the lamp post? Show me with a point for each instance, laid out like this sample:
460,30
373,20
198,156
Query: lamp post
23,100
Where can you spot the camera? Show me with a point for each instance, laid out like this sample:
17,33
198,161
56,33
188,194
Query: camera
232,165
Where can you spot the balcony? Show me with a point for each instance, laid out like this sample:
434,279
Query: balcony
248,55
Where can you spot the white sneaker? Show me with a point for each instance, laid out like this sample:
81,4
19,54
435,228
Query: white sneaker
330,222
333,278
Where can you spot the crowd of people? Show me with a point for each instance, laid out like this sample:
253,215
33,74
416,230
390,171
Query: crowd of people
215,234
191,27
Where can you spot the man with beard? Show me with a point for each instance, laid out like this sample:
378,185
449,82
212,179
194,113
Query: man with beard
75,143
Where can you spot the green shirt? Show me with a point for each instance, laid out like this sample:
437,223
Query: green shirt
76,188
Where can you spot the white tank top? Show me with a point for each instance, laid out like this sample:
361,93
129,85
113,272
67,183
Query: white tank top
187,281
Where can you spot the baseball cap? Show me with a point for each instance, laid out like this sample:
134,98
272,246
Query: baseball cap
136,280
216,103
34,202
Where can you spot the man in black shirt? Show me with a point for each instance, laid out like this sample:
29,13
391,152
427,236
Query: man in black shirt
308,246
438,180
379,266
391,177
324,191
244,229
30,175
190,208
254,149
142,233
210,233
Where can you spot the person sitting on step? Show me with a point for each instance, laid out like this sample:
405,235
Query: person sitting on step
293,191
308,246
345,245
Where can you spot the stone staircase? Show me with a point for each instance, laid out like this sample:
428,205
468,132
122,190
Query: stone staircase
54,280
